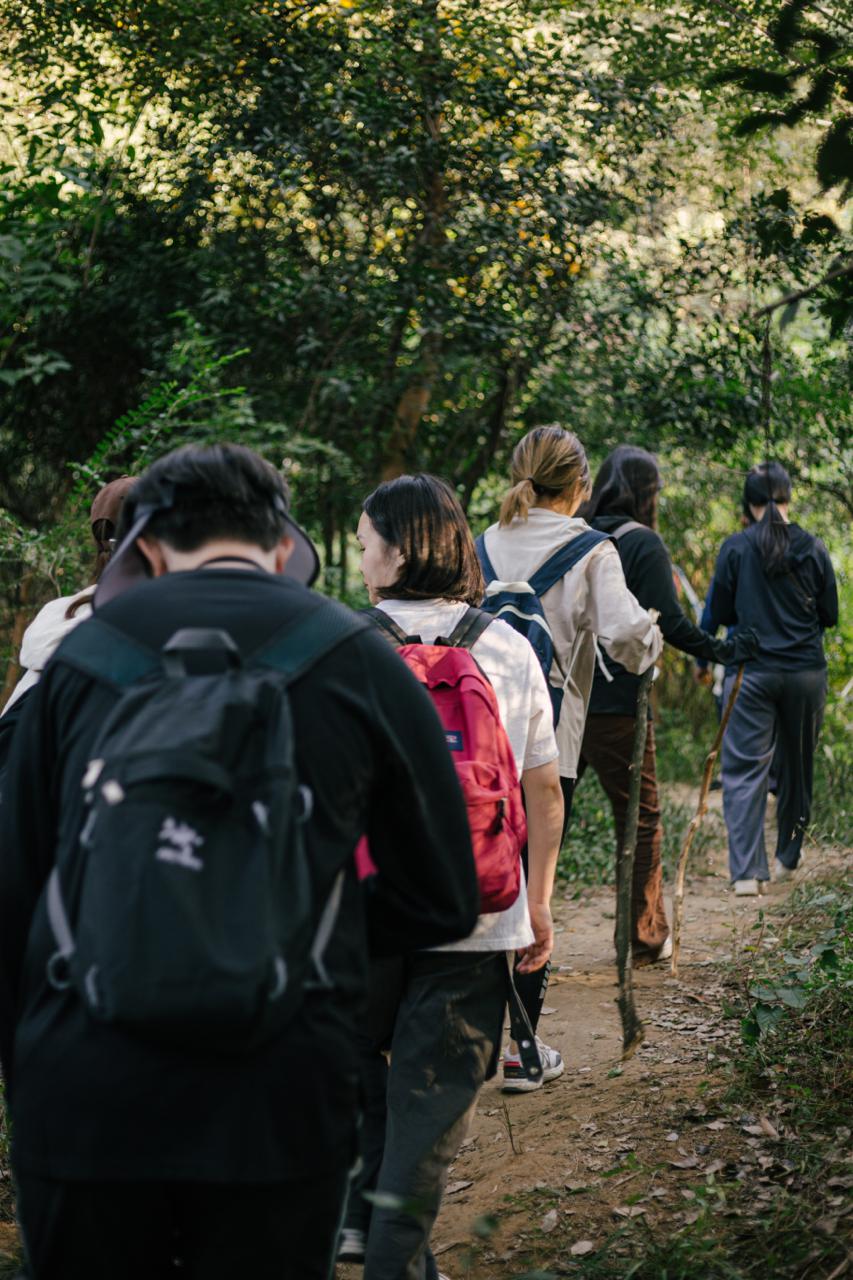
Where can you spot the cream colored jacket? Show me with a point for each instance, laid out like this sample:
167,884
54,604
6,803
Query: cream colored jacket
591,603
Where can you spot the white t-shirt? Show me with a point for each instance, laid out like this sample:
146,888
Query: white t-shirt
590,602
525,707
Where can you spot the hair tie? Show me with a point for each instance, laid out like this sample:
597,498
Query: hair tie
531,479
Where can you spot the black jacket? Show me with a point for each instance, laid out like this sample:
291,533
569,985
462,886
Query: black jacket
89,1102
648,573
789,612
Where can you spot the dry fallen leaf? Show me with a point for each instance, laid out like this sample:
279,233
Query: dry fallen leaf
768,1128
629,1210
580,1247
453,1187
689,1162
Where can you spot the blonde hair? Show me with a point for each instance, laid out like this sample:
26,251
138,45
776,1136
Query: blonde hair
548,461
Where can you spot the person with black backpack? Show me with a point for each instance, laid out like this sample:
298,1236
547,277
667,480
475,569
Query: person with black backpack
778,579
624,505
182,933
561,585
441,1012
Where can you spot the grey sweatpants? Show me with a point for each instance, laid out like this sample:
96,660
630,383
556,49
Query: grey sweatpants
773,707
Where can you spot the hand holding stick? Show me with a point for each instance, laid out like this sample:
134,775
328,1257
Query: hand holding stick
632,1027
696,821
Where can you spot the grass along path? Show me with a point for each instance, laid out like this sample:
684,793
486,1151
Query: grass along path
691,1160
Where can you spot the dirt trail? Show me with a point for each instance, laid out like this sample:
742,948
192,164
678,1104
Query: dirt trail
606,1133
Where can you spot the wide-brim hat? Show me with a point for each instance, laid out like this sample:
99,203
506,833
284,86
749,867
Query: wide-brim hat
128,567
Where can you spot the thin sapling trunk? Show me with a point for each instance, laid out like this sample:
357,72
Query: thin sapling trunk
696,821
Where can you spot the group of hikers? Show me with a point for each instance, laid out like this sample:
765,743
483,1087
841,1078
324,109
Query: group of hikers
272,871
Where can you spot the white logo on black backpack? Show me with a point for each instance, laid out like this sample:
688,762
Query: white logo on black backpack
182,839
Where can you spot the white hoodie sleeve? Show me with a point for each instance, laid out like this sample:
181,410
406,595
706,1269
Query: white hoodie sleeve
43,636
624,628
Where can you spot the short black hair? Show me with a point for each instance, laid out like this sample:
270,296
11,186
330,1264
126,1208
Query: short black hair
421,516
214,491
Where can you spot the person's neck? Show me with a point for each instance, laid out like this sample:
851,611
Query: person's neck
223,553
560,506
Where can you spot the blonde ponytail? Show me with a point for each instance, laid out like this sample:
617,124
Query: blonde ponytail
518,501
548,461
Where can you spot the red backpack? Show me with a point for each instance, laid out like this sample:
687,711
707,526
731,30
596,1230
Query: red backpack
468,709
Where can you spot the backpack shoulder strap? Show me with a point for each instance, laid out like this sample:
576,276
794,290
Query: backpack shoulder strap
387,624
469,628
107,653
297,646
483,556
628,527
559,564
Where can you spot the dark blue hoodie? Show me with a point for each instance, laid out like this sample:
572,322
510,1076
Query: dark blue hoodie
789,611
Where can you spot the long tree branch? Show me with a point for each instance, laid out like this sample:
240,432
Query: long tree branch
798,294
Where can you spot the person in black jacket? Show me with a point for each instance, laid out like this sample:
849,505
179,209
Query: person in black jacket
624,503
778,579
129,1153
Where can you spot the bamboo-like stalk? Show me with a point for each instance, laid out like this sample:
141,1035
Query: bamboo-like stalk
696,821
632,1027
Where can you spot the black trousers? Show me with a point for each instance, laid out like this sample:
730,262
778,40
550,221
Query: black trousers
189,1231
441,1012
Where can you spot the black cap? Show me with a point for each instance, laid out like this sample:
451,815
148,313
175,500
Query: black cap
128,567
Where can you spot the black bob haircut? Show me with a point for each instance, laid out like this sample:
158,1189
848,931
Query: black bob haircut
420,515
627,483
219,491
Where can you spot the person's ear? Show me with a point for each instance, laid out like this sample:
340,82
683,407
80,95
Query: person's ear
153,552
283,552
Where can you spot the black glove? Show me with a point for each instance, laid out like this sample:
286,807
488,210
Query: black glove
739,648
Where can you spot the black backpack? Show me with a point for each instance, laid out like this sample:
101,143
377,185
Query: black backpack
197,922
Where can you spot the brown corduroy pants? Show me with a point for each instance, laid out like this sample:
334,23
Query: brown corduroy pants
607,745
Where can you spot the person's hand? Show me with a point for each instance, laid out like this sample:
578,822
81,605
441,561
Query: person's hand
746,645
539,952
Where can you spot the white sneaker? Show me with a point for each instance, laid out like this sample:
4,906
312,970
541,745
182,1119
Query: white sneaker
665,952
515,1081
352,1245
747,888
781,872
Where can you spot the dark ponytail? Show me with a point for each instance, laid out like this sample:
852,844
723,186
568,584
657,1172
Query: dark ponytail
766,486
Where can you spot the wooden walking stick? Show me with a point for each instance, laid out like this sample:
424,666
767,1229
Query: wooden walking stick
632,1027
696,821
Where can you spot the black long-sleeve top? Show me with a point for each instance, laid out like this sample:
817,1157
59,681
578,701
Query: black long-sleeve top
648,573
93,1103
790,611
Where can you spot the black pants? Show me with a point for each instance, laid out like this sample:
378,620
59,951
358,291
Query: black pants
446,1011
532,987
137,1230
